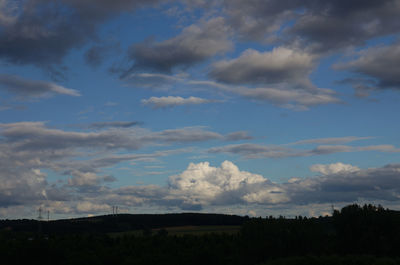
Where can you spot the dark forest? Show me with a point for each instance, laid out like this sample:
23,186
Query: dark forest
354,235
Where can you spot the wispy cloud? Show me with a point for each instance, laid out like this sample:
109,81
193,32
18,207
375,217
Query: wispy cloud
114,124
332,140
171,101
253,151
26,88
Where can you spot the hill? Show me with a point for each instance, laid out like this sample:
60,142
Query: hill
122,222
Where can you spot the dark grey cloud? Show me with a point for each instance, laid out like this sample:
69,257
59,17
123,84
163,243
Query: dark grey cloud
195,44
377,68
25,88
256,19
52,29
349,186
330,25
317,25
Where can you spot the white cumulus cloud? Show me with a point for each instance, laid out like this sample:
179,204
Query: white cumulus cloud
204,184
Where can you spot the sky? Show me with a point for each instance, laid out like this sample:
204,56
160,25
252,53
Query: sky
256,107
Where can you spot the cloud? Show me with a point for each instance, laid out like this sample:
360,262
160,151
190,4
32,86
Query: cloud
237,136
296,99
280,77
31,186
332,25
36,136
280,95
195,44
114,124
257,151
171,101
252,151
84,178
281,65
349,186
330,149
96,54
53,29
319,26
26,88
189,134
257,19
291,96
202,184
381,148
153,80
28,149
332,169
377,67
89,207
332,140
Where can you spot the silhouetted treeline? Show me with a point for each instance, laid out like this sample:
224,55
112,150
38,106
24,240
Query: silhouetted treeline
365,235
355,230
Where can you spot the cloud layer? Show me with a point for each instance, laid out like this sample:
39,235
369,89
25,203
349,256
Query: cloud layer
30,150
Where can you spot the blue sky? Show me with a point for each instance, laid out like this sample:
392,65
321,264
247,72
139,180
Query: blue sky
243,107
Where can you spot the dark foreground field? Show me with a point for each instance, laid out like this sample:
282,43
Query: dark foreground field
355,235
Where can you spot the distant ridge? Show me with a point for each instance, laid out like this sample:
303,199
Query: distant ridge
122,222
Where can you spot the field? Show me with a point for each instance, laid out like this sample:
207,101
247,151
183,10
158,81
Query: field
184,230
200,230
